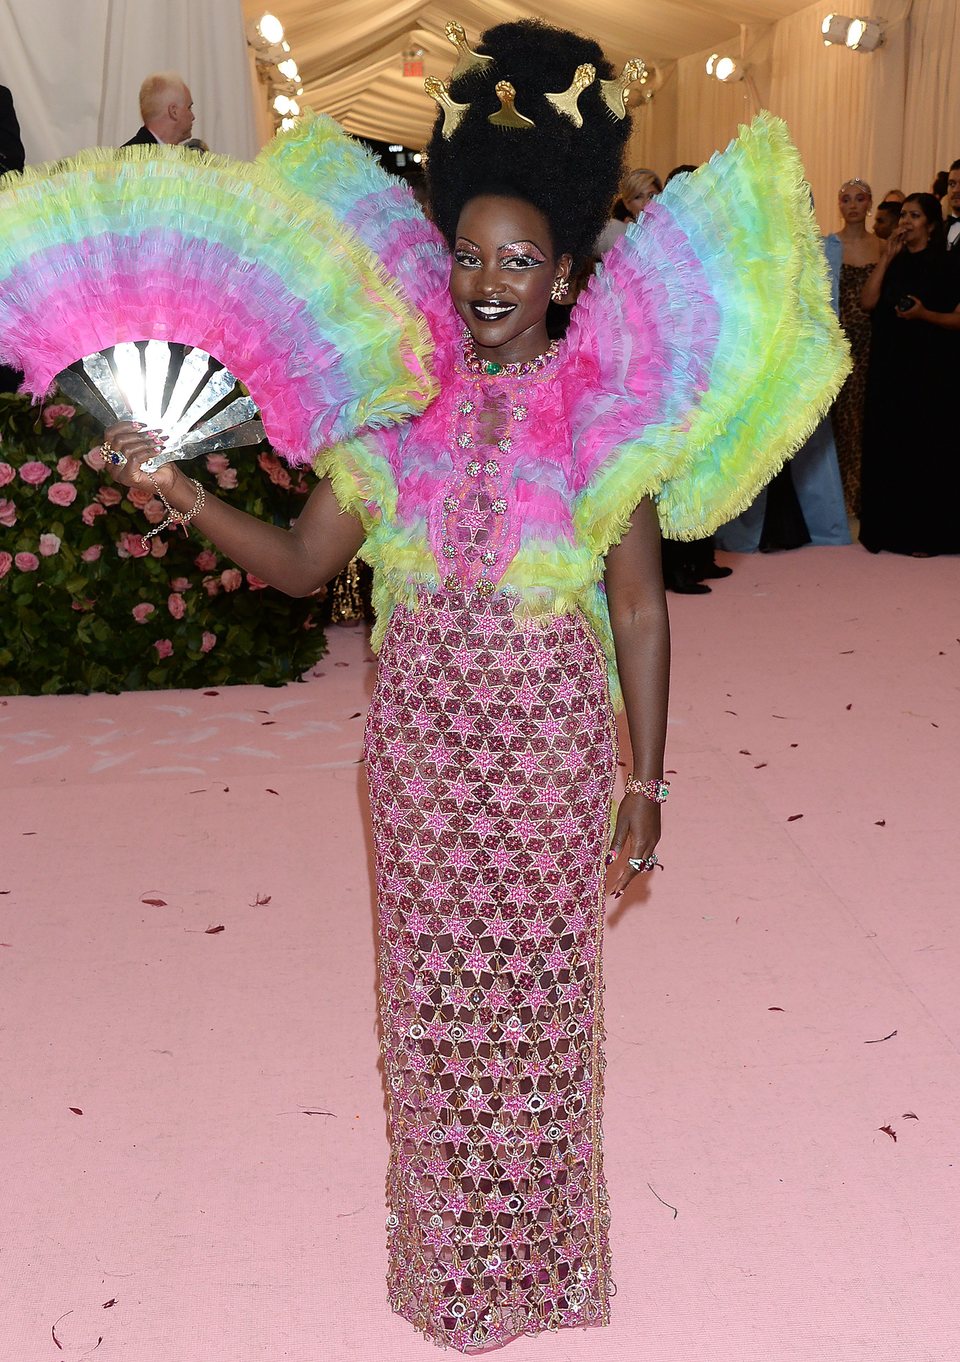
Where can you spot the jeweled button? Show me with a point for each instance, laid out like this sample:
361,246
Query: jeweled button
498,505
504,444
491,468
449,551
450,503
489,556
465,441
484,587
473,468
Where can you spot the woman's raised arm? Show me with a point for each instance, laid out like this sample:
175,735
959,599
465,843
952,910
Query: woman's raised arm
297,561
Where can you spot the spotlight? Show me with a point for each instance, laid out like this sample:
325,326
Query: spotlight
728,70
834,29
270,29
289,69
864,35
712,62
282,105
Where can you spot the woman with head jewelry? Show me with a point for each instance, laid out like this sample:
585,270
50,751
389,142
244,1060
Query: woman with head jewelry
513,531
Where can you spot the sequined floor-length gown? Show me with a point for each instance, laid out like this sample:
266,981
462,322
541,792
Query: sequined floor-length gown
491,752
847,413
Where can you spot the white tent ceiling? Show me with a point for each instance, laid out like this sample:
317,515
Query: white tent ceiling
350,52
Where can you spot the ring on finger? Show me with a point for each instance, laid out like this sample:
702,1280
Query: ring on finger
642,863
116,457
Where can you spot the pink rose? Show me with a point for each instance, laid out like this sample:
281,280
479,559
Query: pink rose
27,562
142,612
62,493
176,605
6,562
231,579
217,463
206,560
211,585
274,470
89,513
7,473
209,640
256,583
68,467
94,459
109,496
52,414
131,547
180,584
34,472
227,480
164,647
91,554
158,547
8,513
154,511
49,545
139,496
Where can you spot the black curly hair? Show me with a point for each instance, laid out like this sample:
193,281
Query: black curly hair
570,174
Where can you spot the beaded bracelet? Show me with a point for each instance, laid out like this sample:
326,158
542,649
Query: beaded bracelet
657,790
173,516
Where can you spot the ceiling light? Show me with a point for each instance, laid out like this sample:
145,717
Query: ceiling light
270,29
294,110
282,105
864,35
834,29
711,62
728,70
289,69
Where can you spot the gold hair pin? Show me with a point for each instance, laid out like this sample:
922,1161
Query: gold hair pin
566,100
468,59
614,92
507,115
452,111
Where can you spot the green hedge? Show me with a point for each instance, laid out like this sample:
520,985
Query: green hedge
82,608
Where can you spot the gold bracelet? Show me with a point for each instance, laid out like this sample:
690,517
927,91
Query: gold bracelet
173,516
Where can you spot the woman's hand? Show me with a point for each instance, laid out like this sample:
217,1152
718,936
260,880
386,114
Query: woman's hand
637,831
137,444
917,313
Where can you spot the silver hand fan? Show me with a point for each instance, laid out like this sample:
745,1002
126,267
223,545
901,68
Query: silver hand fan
177,390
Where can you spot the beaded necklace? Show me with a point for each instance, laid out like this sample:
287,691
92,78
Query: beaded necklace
492,368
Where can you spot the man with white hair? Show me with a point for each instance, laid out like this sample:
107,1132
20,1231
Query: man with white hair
166,107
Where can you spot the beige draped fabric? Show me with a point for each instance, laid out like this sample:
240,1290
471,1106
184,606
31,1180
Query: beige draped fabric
891,117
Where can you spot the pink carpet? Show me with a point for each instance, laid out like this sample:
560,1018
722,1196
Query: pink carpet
192,1138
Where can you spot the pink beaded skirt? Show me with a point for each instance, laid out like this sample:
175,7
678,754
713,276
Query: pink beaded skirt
491,751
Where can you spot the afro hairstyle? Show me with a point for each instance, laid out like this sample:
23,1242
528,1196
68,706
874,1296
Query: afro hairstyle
570,174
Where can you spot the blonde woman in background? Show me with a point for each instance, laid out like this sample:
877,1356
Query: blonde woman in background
856,251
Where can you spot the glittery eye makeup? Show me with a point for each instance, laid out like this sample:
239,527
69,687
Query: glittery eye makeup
525,250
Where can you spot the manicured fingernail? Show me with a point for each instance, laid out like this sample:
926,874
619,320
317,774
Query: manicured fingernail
610,858
618,894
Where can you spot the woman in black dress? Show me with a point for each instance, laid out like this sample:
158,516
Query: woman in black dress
911,471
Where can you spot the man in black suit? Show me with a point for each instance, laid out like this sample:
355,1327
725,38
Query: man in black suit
953,204
166,107
11,147
11,158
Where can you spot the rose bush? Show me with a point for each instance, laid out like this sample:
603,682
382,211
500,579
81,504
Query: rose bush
83,606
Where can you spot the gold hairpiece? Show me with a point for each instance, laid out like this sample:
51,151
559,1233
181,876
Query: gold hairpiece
468,59
614,92
507,115
452,111
566,100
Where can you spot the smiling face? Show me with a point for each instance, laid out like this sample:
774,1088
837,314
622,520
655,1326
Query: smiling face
855,201
504,268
